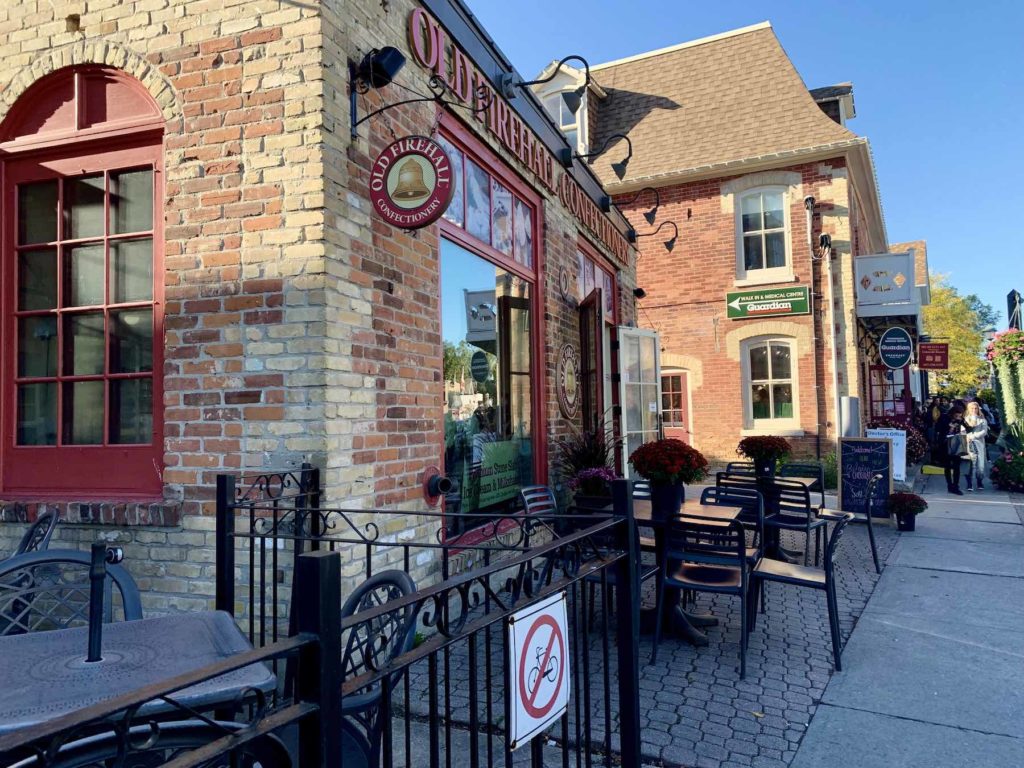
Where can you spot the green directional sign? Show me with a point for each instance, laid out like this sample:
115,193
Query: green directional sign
771,302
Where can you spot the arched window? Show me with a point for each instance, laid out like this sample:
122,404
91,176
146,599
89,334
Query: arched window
82,289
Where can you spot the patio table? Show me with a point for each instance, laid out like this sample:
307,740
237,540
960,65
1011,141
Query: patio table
46,675
677,620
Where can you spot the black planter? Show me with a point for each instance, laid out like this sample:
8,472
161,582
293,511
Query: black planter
585,502
765,468
906,522
666,499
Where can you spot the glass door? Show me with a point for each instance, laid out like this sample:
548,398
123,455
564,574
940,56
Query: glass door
639,390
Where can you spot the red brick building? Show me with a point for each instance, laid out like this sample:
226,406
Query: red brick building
749,170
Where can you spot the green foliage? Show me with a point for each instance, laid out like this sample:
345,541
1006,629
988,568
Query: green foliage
988,317
456,361
1012,438
831,467
585,449
956,320
1010,376
988,397
1008,471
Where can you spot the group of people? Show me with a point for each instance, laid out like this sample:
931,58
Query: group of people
957,433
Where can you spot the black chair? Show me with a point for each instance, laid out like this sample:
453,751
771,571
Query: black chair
705,557
791,510
806,469
866,518
644,571
740,468
42,591
373,644
748,499
642,490
37,537
815,578
538,500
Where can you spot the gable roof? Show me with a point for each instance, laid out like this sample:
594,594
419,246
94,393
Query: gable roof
709,103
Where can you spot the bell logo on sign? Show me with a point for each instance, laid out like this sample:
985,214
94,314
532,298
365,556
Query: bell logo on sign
411,182
539,668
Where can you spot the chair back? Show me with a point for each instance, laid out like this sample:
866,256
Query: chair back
37,537
538,500
872,486
833,543
740,468
806,469
641,489
710,543
42,591
792,498
747,498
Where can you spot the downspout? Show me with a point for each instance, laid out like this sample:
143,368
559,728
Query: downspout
809,209
826,252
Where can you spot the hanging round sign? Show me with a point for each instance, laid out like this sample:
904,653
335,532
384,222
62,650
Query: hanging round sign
480,367
411,182
895,348
569,381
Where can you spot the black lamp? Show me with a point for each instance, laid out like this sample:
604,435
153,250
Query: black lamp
379,67
632,236
573,99
567,156
650,215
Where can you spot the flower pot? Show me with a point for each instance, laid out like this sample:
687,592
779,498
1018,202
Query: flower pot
906,522
765,468
586,502
666,499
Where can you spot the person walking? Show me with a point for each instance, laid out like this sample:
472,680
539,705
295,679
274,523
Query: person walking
977,430
945,449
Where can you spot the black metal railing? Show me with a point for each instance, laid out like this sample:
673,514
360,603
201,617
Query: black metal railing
248,729
449,694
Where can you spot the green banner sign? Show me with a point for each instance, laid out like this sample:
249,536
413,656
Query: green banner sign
768,303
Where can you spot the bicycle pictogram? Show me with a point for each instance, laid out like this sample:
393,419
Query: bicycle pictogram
550,672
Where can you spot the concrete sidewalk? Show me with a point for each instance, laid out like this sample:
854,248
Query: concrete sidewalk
933,675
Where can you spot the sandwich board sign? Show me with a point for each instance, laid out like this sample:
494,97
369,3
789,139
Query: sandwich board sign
538,649
899,450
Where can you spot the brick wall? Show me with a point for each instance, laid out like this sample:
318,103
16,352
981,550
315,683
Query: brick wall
686,292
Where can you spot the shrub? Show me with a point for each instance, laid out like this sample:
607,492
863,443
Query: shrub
917,445
831,466
1008,471
595,481
764,448
669,461
585,449
906,504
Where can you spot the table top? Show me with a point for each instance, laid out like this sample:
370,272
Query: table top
46,675
691,508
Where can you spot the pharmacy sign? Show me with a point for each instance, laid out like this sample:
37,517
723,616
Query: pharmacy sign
768,303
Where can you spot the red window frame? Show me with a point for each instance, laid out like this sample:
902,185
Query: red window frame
113,472
473,149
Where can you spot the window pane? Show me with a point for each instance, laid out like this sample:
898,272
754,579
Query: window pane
131,271
759,399
677,400
37,212
782,398
524,233
83,268
776,245
131,411
588,277
568,118
753,258
37,346
758,363
666,401
773,216
581,261
632,361
131,341
83,206
83,344
37,414
751,210
649,407
501,218
608,286
456,211
83,413
131,201
519,339
478,202
573,138
780,361
37,279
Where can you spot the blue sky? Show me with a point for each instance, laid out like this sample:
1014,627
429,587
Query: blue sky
939,89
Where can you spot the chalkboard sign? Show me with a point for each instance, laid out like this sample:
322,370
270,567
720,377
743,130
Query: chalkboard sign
860,459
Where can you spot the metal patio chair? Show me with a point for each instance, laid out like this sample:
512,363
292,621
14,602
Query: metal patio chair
806,469
791,510
815,578
41,591
37,537
866,518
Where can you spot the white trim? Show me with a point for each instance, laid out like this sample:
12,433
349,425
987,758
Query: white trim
683,46
766,274
769,426
689,399
750,281
760,431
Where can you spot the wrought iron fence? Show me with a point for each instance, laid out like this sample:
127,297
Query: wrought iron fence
448,693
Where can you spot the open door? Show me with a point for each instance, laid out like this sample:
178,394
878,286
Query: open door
591,359
639,390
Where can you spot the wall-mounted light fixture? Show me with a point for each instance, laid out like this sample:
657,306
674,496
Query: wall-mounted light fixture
632,236
650,215
639,293
379,68
572,99
566,156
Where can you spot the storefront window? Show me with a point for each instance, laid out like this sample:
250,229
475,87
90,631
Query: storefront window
488,414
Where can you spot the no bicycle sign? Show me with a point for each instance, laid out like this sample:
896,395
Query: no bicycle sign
538,662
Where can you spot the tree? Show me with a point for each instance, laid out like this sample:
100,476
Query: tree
987,316
958,321
456,361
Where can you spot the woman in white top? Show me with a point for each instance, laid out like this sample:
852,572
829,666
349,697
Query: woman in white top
977,429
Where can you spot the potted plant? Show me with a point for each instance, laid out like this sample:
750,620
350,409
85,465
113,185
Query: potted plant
668,465
906,507
765,451
593,487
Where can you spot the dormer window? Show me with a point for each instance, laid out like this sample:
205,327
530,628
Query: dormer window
570,123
